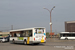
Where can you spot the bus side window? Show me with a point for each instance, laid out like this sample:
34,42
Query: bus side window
27,34
15,35
21,34
36,31
11,34
18,35
24,33
30,32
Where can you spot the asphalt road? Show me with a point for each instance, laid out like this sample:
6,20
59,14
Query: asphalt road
54,44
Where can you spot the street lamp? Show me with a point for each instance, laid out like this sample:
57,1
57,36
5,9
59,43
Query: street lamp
50,19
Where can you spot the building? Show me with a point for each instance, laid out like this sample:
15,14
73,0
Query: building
4,33
70,26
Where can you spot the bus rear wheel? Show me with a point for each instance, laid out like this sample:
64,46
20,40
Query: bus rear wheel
25,42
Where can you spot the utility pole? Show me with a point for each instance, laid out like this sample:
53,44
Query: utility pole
11,27
50,19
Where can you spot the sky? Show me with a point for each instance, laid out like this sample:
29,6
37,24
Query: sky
30,13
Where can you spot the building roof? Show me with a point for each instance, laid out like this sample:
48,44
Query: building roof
70,21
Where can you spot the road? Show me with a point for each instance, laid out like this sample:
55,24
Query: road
54,44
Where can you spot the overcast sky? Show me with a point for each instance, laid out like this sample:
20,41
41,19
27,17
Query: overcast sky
30,13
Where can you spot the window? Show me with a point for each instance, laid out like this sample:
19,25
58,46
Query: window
68,35
39,30
72,35
18,35
61,35
30,32
1,38
11,34
15,35
26,33
21,35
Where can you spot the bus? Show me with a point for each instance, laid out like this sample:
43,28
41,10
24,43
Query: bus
34,35
67,35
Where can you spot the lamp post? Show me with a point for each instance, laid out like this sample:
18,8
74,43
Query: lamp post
50,19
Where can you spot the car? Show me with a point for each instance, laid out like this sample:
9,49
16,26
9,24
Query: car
4,39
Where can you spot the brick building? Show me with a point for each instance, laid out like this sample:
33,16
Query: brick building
70,26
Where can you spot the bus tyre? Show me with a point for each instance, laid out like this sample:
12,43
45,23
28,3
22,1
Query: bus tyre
66,38
13,41
1,41
36,43
25,42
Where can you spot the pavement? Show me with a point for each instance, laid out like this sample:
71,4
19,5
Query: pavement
51,44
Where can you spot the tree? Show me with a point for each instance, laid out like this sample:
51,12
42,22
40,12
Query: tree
47,34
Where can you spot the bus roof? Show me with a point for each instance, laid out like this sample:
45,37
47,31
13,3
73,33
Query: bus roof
25,29
66,32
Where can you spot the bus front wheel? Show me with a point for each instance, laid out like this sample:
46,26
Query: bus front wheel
13,41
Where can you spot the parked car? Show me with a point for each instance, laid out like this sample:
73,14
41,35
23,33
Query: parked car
4,39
